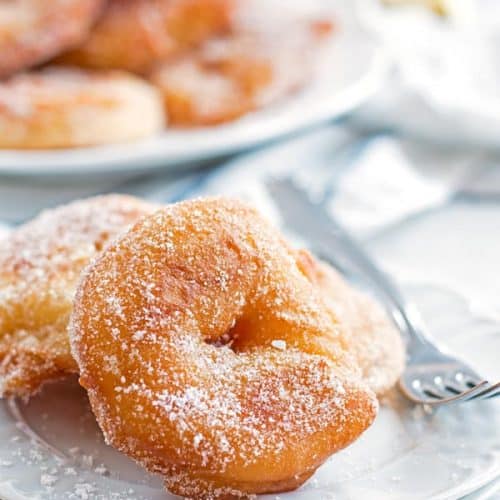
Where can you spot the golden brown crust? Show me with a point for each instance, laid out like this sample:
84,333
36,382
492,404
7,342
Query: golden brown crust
40,263
209,358
33,31
135,34
373,340
61,108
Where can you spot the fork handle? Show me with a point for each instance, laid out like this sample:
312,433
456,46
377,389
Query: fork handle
313,221
403,313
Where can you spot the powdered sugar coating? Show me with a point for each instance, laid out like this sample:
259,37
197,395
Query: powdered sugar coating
52,108
173,331
40,264
33,31
374,341
246,70
135,34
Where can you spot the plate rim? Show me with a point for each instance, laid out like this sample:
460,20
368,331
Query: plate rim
128,158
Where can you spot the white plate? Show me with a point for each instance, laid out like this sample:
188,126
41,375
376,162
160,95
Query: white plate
354,69
51,448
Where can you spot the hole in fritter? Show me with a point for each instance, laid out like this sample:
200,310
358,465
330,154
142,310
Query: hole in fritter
225,340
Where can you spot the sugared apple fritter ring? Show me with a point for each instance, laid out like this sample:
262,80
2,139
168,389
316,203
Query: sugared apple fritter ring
135,34
33,31
373,340
210,358
40,264
60,108
229,76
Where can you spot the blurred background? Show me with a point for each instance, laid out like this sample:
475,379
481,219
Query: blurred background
391,108
232,76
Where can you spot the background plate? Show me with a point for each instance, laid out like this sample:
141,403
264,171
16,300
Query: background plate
354,69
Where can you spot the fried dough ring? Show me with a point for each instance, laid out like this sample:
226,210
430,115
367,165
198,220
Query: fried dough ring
135,34
230,76
33,31
40,264
62,108
210,358
200,89
373,340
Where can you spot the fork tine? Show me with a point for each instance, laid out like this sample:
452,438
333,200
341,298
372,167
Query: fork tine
434,392
472,380
490,392
472,393
439,399
464,396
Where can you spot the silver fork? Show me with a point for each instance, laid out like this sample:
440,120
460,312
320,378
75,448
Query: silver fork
432,376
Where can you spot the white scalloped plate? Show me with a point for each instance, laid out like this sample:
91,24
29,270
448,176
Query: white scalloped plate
51,447
354,69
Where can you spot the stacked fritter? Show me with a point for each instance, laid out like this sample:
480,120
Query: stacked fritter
87,72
